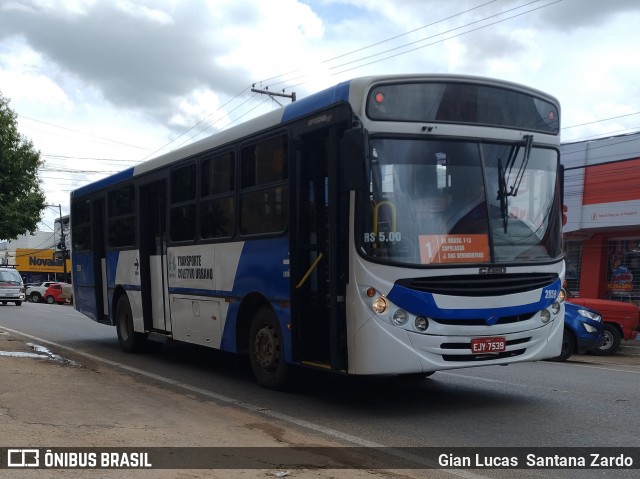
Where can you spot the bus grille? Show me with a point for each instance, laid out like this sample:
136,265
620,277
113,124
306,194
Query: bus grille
482,357
480,285
483,322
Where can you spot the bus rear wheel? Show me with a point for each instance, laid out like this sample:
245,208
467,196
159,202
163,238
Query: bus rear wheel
129,340
266,350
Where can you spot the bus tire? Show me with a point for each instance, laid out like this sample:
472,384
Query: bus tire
568,346
129,340
409,377
266,350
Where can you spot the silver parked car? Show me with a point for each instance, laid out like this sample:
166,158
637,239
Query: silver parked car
11,287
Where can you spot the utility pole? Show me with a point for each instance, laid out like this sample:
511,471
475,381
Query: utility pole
62,244
63,247
272,94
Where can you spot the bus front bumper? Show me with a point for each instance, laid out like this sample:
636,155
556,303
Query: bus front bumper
380,348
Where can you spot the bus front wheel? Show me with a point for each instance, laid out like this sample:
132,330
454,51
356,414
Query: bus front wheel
568,346
129,340
266,350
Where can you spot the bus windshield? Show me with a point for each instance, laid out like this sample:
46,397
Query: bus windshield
436,202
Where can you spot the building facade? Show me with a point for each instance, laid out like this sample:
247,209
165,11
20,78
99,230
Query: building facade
36,257
602,217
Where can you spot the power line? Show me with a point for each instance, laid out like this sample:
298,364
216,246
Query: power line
445,39
337,57
83,132
66,157
211,124
199,122
328,60
73,170
382,41
598,121
424,39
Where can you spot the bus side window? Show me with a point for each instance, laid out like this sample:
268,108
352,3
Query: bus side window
264,194
183,203
81,228
122,226
217,207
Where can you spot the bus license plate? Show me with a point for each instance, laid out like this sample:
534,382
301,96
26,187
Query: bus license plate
488,345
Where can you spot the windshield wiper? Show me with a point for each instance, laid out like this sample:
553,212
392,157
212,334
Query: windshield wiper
502,196
513,190
505,172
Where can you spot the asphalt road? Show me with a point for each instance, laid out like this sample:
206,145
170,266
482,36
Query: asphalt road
585,402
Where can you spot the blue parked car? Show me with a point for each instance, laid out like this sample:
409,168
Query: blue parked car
583,330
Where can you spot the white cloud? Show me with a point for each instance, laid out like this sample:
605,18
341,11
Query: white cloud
120,79
143,12
23,80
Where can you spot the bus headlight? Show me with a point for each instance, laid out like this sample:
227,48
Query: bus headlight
379,305
555,308
545,316
399,317
562,295
421,323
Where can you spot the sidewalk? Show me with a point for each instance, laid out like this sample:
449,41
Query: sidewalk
630,346
52,401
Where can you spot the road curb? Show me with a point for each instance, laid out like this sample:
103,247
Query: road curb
630,346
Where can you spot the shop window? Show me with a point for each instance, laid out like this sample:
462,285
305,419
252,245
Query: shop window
623,272
573,261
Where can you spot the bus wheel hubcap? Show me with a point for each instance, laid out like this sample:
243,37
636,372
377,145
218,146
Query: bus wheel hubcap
266,348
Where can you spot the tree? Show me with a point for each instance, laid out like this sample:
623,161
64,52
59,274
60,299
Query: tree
21,199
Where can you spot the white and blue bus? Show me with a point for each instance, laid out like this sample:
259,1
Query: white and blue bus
392,225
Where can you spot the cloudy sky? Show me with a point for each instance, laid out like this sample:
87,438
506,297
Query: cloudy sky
102,85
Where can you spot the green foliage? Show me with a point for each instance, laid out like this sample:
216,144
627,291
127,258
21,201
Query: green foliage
21,199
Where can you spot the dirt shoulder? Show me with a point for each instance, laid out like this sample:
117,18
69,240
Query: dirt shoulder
46,400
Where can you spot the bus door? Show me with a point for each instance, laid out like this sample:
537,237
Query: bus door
316,309
99,261
153,256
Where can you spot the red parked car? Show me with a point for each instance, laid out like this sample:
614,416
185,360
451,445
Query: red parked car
620,320
53,294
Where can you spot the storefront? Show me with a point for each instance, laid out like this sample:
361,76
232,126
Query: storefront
602,217
38,265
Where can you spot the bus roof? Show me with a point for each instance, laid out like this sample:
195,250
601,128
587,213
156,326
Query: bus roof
351,91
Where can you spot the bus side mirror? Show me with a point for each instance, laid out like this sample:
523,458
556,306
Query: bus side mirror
355,146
